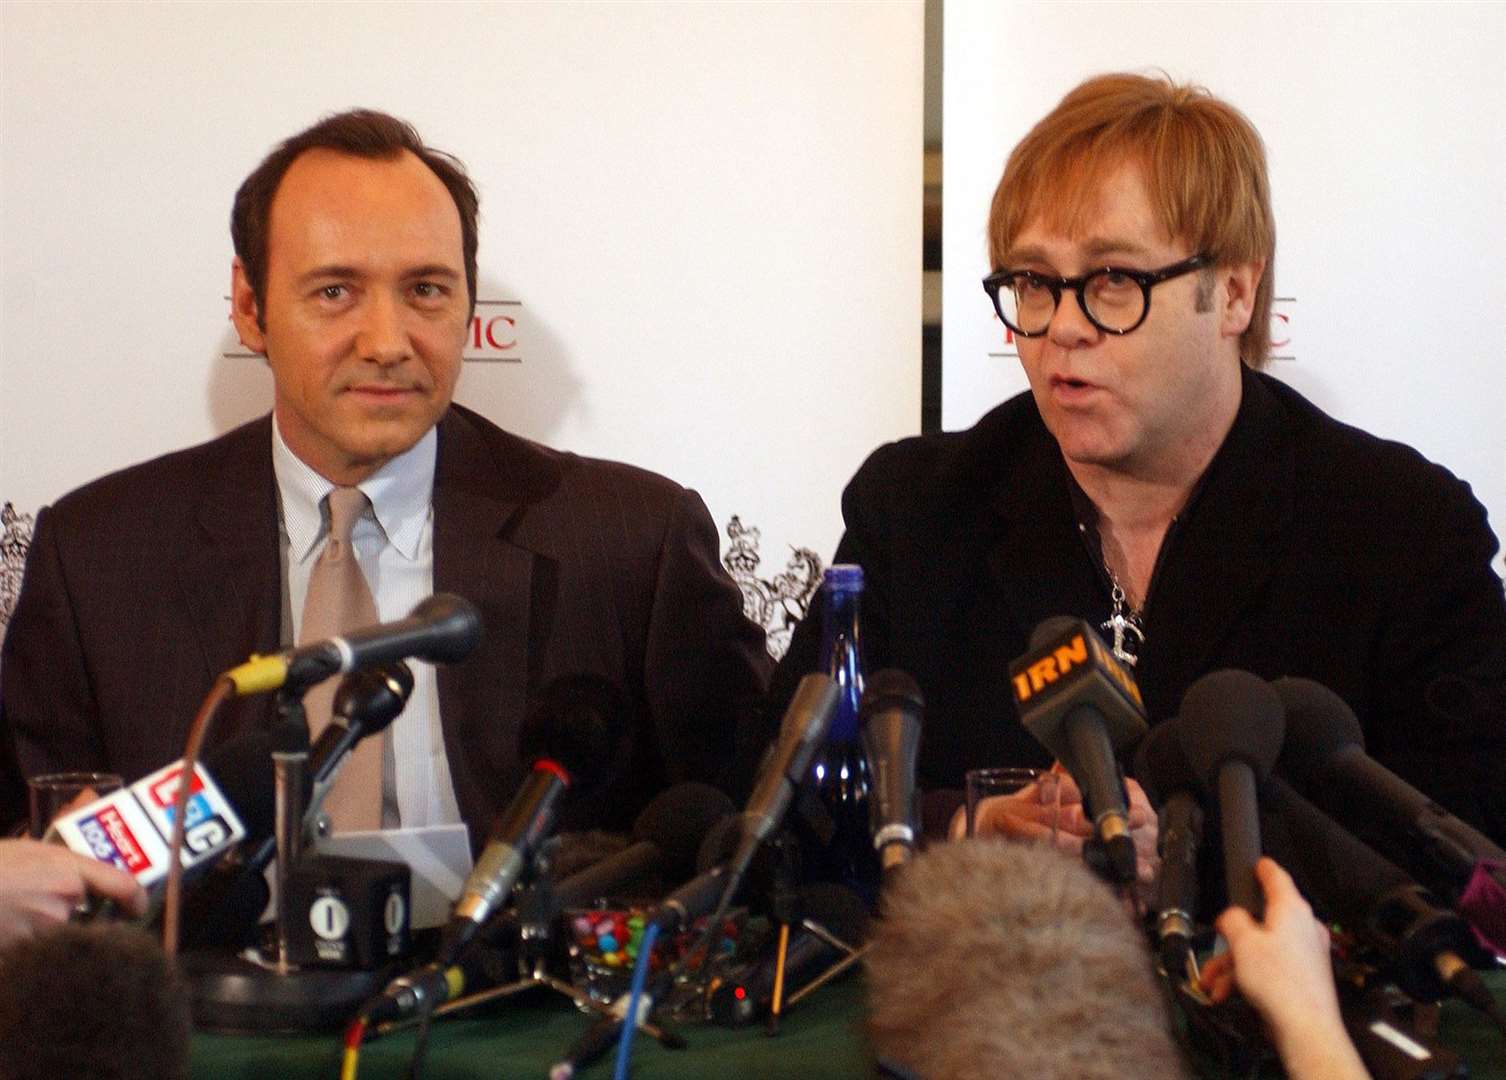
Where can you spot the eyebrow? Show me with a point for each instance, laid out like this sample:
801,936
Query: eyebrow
342,270
1094,249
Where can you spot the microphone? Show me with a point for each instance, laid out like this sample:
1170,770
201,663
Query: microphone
442,629
890,713
132,828
1324,758
1176,891
744,994
667,834
570,737
1425,943
1080,703
366,702
1163,770
802,730
1230,729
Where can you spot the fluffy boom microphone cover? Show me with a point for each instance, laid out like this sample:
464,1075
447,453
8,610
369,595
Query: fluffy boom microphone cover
998,959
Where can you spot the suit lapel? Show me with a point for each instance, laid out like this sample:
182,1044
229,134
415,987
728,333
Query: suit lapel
229,571
480,485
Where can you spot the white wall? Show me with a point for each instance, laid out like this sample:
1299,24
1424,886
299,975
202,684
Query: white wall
1383,125
709,212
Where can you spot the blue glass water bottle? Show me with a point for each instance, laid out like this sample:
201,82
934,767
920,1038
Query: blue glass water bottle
839,773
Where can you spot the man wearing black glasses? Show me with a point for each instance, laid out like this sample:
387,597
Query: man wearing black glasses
1156,483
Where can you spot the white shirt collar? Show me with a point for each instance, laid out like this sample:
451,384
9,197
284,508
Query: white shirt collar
401,492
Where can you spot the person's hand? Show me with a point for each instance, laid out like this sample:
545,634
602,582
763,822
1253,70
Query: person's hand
1282,967
41,884
1028,814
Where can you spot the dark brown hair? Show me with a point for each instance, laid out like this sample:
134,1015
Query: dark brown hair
361,133
1203,164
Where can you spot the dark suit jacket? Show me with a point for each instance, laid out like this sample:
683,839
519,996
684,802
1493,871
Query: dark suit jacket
1311,548
143,586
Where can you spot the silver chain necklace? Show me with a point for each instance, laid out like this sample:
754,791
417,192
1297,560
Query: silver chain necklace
1124,623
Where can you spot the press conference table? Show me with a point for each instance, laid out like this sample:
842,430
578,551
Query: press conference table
822,1038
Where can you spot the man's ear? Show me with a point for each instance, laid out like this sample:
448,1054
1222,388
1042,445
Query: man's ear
244,311
1238,283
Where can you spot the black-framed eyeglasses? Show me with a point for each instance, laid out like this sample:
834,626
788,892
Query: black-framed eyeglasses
1114,299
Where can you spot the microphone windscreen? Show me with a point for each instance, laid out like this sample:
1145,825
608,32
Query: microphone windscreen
242,767
678,820
1231,715
92,1000
971,932
719,844
580,721
1318,725
1160,764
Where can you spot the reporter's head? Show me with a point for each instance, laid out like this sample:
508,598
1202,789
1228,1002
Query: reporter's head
1009,959
98,1000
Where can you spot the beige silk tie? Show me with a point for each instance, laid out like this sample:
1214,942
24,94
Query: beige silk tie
339,601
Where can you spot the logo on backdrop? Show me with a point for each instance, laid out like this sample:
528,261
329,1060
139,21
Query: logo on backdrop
777,604
15,538
494,336
1283,310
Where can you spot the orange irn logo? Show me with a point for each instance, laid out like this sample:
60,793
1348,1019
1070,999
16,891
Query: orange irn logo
1048,669
1063,659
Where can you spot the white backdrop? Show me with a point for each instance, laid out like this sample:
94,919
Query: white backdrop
704,219
1383,126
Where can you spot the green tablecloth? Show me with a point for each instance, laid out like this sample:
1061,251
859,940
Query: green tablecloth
524,1036
521,1038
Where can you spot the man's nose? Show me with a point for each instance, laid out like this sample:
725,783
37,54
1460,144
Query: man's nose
383,338
1069,326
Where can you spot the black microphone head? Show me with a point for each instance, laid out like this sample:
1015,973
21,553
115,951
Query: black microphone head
1160,764
1319,723
97,1000
678,820
455,627
242,768
891,688
581,722
1068,667
1231,715
369,699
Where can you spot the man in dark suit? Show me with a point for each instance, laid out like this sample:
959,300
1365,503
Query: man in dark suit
355,276
1154,482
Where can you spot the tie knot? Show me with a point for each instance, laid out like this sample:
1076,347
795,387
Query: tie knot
346,505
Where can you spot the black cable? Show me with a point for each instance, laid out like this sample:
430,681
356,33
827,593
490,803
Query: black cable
420,1044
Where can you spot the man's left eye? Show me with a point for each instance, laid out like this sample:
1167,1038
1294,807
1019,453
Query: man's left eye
428,289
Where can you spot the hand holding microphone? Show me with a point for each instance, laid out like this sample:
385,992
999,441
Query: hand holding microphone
41,884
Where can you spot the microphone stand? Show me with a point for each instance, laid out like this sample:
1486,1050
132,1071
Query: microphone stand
250,992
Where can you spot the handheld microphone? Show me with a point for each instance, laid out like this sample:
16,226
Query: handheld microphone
802,730
570,736
1080,703
890,713
1230,729
1425,944
1164,773
132,828
1324,758
442,629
